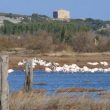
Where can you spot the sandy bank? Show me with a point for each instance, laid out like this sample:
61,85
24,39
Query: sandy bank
80,59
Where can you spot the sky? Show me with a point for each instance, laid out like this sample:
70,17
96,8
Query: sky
97,9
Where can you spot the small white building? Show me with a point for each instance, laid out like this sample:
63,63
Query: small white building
61,14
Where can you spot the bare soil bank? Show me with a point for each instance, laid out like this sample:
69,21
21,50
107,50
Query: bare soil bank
62,58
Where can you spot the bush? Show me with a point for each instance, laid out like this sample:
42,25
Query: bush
83,42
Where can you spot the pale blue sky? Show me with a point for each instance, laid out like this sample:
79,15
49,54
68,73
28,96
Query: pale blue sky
99,9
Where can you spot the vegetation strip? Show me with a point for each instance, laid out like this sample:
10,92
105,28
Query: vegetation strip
78,90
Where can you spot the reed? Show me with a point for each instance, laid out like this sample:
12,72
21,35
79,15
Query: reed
40,101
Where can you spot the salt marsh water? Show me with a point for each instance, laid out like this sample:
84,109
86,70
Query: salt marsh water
53,81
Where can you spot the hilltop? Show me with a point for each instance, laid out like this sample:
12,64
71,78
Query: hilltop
96,25
99,26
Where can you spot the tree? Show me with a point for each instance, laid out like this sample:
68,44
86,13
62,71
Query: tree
62,35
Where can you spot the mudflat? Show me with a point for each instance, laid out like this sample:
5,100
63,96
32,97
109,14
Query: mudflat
81,59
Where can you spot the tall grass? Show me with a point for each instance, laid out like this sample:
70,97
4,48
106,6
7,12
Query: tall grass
40,101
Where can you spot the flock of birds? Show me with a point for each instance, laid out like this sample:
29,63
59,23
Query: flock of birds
55,67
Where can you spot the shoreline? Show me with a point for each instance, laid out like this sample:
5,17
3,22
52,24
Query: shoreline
82,60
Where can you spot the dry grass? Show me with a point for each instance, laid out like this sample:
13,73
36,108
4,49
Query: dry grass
39,101
78,90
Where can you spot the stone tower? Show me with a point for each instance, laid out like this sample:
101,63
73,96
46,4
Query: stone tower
61,14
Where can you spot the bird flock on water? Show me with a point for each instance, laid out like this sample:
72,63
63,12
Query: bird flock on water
73,68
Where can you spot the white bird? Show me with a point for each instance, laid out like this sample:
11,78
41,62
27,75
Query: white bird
93,63
86,69
10,70
58,69
48,69
20,63
56,64
48,64
104,63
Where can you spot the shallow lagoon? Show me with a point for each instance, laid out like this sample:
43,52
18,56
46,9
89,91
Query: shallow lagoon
53,81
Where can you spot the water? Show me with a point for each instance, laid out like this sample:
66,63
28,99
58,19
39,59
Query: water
55,81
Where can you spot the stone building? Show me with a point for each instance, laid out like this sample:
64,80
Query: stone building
61,14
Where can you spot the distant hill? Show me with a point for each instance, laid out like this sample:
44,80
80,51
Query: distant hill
11,15
37,22
44,34
17,18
